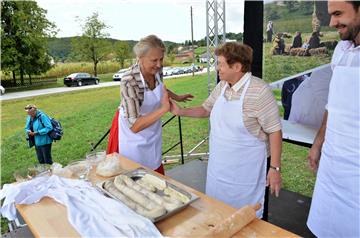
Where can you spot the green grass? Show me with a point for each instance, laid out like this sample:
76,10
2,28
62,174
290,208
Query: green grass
301,23
276,67
200,50
86,116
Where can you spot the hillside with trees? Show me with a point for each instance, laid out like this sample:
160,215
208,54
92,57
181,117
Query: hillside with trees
292,16
60,48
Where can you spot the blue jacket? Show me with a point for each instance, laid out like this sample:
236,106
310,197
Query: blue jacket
43,128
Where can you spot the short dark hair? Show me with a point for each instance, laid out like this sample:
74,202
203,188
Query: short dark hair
356,4
236,53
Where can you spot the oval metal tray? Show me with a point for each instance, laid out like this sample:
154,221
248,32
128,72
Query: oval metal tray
138,174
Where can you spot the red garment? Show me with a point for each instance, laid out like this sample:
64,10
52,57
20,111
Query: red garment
160,170
113,141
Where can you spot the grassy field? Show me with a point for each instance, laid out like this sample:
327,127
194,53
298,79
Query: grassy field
92,111
276,67
293,24
86,116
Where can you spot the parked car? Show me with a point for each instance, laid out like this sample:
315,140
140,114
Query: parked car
188,69
196,67
80,79
179,70
117,76
2,90
167,71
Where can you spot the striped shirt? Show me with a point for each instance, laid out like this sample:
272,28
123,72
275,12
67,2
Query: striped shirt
132,94
260,110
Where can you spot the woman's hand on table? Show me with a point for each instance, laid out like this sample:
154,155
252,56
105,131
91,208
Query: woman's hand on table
274,181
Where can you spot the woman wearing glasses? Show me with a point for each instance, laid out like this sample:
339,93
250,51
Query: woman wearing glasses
245,130
144,100
37,127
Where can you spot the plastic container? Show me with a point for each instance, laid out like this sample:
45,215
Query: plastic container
80,169
95,157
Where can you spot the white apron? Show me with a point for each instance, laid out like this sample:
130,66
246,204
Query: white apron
236,171
143,147
335,207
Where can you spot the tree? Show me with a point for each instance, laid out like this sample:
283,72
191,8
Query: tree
122,52
24,34
171,58
273,15
306,7
92,44
291,5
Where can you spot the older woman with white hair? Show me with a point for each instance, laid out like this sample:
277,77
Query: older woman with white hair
144,100
38,125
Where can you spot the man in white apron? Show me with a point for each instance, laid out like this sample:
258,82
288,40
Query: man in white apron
335,207
236,171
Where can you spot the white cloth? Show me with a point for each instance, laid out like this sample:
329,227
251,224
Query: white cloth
309,99
236,171
90,213
335,207
345,54
143,147
269,26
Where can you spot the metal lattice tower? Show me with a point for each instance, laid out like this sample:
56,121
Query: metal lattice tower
215,35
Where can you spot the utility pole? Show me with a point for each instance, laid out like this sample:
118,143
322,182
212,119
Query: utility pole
192,42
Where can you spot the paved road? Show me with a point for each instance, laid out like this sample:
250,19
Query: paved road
39,92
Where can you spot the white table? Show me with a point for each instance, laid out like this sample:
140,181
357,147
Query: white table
298,133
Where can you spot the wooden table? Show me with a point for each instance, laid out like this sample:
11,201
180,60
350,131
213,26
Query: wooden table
49,218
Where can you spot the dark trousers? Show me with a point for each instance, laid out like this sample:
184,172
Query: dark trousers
269,36
43,153
266,201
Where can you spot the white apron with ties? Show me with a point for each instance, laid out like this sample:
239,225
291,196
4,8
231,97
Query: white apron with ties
143,147
236,171
335,207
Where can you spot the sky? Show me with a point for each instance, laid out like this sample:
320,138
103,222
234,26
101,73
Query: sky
134,19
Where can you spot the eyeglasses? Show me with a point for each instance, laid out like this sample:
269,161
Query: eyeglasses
28,108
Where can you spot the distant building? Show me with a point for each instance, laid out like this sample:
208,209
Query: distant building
280,3
204,59
185,56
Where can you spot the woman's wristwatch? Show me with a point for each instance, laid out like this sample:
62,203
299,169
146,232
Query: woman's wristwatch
275,168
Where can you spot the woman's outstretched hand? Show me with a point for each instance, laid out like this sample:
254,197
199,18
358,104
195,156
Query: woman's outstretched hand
174,108
184,97
165,100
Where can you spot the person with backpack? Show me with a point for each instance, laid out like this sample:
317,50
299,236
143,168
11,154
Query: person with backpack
38,126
